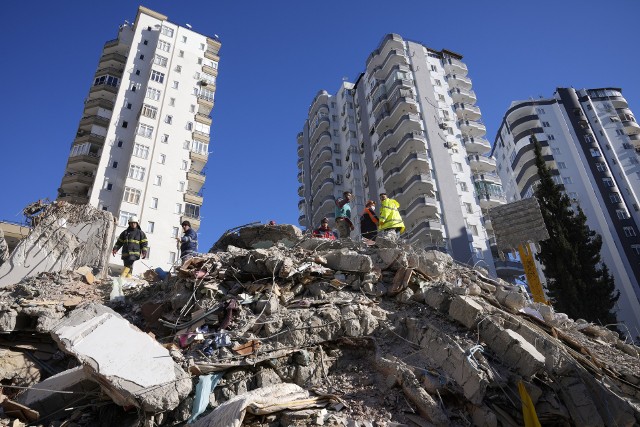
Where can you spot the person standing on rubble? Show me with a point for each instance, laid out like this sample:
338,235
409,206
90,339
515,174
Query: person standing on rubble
390,219
134,243
369,221
343,215
324,232
188,242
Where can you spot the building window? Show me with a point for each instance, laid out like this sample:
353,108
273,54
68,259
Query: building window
106,80
164,138
162,158
457,167
199,61
184,166
207,94
150,226
160,60
176,84
145,130
562,165
137,72
178,68
131,195
551,137
468,207
154,203
120,143
181,186
441,97
619,132
141,57
338,162
149,111
555,150
172,102
146,42
164,46
123,219
438,82
181,54
540,110
167,31
184,39
202,47
546,124
474,229
463,186
153,94
174,232
172,257
186,145
157,76
125,124
192,211
629,231
595,152
601,167
189,126
567,180
136,172
635,249
608,182
115,165
129,106
109,187
615,198
141,151
158,180
178,208
168,119
622,214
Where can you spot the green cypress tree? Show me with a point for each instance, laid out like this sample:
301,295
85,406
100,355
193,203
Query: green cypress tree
577,282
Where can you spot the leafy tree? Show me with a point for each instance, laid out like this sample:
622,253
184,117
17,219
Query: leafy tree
577,282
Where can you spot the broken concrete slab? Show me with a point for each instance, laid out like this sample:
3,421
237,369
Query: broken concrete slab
131,367
348,260
260,236
4,248
466,311
66,237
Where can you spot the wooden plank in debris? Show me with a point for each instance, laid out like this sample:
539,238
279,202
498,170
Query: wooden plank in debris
247,348
16,410
401,280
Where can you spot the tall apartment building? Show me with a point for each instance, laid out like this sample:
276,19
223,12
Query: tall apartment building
143,139
421,140
590,141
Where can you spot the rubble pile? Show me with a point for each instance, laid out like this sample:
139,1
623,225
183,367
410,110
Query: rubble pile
273,328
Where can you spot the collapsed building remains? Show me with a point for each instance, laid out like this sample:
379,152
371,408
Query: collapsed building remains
274,328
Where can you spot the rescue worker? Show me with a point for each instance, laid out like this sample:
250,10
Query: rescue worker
390,219
188,242
134,243
324,232
369,221
343,215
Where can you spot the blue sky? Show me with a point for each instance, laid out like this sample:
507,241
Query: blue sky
275,56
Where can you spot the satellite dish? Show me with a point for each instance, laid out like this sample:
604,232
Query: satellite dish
188,26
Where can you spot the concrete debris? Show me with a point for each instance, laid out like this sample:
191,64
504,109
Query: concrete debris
273,328
4,249
66,237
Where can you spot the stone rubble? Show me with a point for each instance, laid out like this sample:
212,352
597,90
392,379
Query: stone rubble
302,331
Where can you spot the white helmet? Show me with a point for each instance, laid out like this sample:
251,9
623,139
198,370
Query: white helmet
133,219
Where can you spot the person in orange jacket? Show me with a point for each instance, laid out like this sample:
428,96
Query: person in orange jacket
369,221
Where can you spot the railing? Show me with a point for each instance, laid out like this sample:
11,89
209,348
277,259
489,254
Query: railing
192,216
195,172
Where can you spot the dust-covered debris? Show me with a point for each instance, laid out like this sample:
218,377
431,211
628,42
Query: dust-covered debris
280,329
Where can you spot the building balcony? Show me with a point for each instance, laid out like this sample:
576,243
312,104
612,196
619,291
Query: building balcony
411,143
115,71
299,139
89,121
323,171
193,197
481,164
193,220
93,104
111,44
459,82
472,128
103,90
397,108
421,207
84,136
463,96
427,233
401,88
415,186
393,59
412,164
205,105
300,162
84,161
323,190
196,179
455,66
631,127
324,140
77,179
618,102
321,99
486,222
490,177
324,155
199,157
112,58
322,125
467,111
203,118
300,177
490,199
635,140
476,145
302,220
378,56
300,150
201,136
301,191
408,124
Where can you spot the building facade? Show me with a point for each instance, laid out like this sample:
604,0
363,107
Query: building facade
420,139
590,141
143,140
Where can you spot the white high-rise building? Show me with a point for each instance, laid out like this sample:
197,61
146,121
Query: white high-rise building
143,140
414,133
590,141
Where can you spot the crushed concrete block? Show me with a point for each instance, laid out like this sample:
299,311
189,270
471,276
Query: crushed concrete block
260,237
583,410
4,248
434,263
131,367
266,377
46,399
66,237
466,311
404,296
514,349
437,299
510,299
346,260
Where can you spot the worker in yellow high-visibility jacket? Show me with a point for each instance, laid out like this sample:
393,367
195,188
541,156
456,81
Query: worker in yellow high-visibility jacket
389,216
